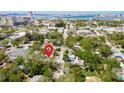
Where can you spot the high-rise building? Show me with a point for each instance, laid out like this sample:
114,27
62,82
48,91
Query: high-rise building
30,14
8,20
11,20
3,21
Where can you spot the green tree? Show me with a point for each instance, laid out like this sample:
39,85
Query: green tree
89,43
92,61
16,43
36,45
25,39
79,24
66,55
19,60
102,39
11,75
2,55
79,53
5,42
121,42
60,24
18,77
36,36
112,63
47,72
70,41
77,73
55,37
2,75
104,50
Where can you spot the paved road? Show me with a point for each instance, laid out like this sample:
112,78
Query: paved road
60,60
65,35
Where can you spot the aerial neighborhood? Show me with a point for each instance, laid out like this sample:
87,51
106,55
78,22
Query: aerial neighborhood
84,50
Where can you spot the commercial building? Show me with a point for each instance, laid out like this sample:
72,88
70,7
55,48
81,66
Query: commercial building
15,20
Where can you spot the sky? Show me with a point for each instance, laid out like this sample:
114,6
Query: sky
61,5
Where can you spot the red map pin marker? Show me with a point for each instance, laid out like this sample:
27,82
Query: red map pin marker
48,50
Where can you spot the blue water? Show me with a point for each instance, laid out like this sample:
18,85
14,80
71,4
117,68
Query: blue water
73,15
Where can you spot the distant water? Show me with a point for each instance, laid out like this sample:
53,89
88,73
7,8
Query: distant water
81,17
72,15
68,17
86,17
